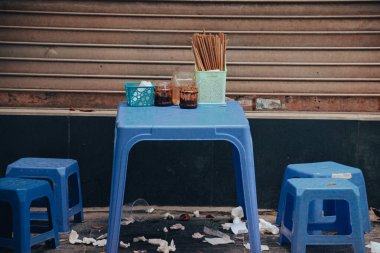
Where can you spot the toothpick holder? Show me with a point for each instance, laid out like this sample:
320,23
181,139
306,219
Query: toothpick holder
211,87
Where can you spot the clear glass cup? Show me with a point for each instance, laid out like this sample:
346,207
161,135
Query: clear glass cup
136,210
188,97
180,79
163,93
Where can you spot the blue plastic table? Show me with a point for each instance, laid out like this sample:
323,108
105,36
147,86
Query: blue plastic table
228,123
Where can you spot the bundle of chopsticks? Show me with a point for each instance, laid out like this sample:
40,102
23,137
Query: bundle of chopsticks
209,51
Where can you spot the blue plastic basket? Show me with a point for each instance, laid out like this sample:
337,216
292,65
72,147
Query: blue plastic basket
139,95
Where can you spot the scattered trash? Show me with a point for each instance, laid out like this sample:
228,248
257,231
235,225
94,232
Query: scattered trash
197,235
127,221
196,214
267,227
124,245
210,216
237,220
218,241
165,229
177,227
374,246
214,232
73,237
87,240
100,243
239,228
227,226
237,212
140,239
263,247
185,217
103,236
168,216
163,245
150,210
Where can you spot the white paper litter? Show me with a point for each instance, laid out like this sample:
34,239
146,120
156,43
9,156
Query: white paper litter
263,247
197,235
237,220
103,236
140,239
240,228
214,232
150,210
124,245
218,241
165,229
127,221
87,240
227,226
267,227
163,245
100,243
196,214
374,246
237,212
168,216
177,227
73,237
155,241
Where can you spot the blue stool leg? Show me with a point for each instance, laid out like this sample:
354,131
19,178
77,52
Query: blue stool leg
78,217
52,214
281,202
238,179
119,173
357,226
359,181
63,206
287,217
300,225
22,228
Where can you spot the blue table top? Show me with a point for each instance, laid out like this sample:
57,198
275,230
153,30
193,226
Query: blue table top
231,115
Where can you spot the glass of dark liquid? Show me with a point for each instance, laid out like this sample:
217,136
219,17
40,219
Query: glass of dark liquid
163,94
188,97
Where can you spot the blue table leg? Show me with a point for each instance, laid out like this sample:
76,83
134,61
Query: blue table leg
238,178
119,173
244,149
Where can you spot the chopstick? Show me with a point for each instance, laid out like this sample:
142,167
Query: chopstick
209,51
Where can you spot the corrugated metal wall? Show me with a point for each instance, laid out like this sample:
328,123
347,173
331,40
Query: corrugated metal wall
312,55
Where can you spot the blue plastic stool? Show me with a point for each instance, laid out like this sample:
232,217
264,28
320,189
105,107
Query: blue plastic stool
326,170
296,226
64,177
16,227
227,123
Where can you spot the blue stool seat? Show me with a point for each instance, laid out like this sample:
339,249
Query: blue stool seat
296,226
16,230
63,174
326,170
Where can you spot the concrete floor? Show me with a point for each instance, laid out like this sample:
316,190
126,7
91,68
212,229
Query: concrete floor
97,218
